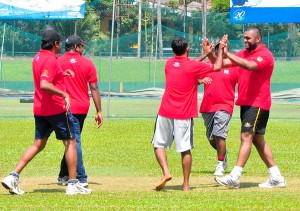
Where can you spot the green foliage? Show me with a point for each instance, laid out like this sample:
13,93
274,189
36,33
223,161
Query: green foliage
173,4
219,25
220,5
24,34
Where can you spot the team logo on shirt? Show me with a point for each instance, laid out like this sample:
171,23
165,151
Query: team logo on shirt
176,64
247,124
226,71
45,73
260,59
73,61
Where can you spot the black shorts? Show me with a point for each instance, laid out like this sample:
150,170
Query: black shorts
254,119
62,124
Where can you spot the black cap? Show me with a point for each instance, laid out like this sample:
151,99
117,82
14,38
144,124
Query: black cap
75,40
50,36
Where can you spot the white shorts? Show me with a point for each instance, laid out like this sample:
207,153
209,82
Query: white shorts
167,130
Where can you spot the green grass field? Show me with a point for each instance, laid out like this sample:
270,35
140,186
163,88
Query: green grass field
133,74
134,70
123,172
119,157
135,108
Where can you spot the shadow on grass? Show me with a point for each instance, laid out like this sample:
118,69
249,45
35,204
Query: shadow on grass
249,185
61,190
203,172
243,185
55,183
174,187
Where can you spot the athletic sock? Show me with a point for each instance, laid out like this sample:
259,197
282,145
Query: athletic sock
274,171
236,172
15,174
72,181
221,158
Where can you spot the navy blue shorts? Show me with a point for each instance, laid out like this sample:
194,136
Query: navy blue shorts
254,119
62,124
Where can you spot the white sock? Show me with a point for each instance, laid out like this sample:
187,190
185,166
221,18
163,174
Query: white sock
274,171
236,172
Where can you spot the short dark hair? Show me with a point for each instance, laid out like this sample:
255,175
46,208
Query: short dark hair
69,47
46,45
179,46
255,29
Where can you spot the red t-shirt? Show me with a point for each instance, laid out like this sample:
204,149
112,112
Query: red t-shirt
180,97
254,87
219,95
77,86
46,67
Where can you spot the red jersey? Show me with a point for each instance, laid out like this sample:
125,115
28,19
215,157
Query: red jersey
254,87
77,86
180,97
219,95
46,67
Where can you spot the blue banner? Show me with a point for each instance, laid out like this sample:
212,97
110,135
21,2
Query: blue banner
42,9
265,11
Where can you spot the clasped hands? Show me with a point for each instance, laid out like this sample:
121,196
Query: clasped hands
208,47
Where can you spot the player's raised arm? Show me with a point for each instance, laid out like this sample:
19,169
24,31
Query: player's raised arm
219,60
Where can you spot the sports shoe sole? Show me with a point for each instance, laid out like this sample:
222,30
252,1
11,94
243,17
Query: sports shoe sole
280,185
5,186
226,185
83,193
88,191
10,190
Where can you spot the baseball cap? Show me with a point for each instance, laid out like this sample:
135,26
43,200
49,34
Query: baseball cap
75,40
51,36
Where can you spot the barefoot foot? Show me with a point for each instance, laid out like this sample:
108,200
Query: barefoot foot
163,182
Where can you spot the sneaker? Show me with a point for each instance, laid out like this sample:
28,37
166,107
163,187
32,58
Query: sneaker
84,184
11,183
273,182
77,188
220,169
62,180
228,181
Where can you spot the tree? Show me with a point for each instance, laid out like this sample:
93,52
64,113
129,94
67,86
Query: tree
220,5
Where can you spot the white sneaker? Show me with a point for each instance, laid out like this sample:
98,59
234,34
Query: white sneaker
11,183
84,184
220,169
77,188
62,180
274,182
228,181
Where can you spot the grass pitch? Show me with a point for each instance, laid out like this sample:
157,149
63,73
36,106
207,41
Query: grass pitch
123,172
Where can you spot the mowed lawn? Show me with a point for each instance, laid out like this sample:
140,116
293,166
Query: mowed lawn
119,156
133,70
123,172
